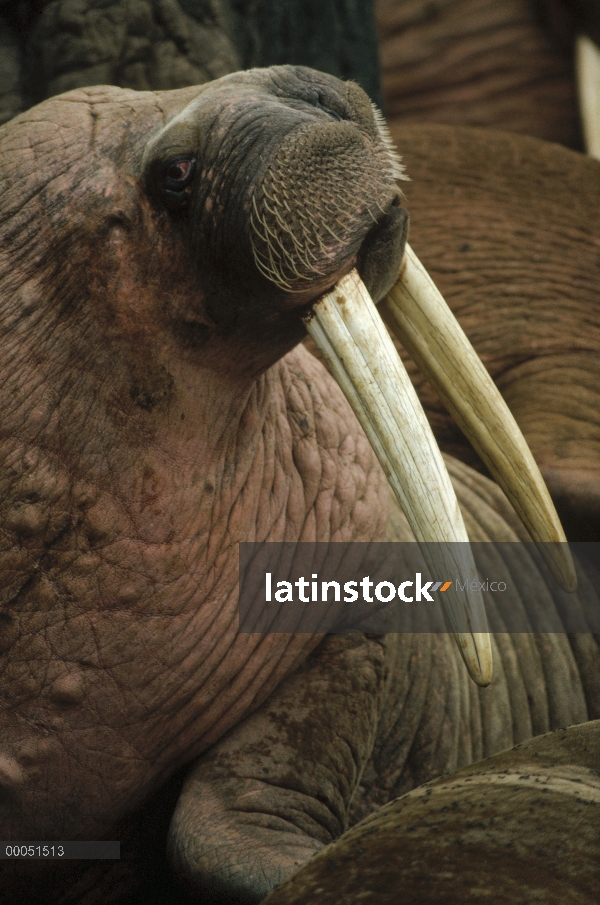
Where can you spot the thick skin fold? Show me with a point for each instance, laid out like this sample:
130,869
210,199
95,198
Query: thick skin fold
351,336
428,330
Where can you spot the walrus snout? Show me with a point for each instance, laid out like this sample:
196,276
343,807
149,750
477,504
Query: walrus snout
340,177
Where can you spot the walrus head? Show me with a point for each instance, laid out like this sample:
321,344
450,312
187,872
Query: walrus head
280,180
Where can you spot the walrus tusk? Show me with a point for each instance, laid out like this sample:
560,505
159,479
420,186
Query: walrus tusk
587,66
347,328
418,315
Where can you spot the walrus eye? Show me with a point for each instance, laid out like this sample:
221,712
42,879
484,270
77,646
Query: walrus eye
172,179
178,173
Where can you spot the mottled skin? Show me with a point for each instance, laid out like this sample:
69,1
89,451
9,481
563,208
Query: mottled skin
156,412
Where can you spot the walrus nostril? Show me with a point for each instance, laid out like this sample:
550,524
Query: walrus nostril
322,105
320,101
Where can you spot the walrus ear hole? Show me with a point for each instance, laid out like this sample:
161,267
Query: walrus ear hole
173,180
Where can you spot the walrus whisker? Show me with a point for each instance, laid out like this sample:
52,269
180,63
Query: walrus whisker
291,259
271,211
272,268
269,231
285,228
298,245
270,274
269,269
396,166
331,233
257,231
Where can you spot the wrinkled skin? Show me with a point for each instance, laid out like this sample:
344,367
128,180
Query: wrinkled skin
479,63
521,274
156,415
519,827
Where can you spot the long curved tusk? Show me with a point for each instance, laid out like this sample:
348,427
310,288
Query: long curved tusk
428,330
587,66
347,328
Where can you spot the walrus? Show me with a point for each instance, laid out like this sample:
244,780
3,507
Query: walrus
163,256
